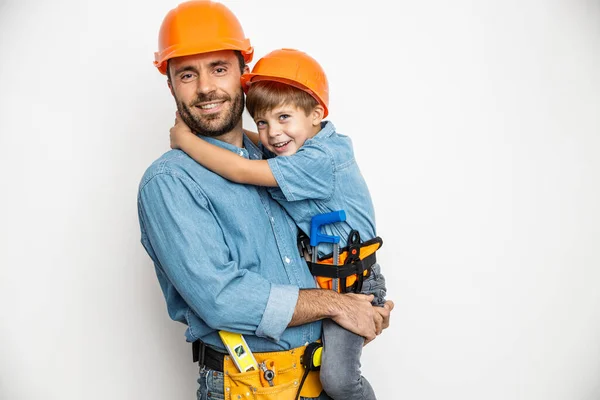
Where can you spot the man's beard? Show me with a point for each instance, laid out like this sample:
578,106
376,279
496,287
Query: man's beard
213,125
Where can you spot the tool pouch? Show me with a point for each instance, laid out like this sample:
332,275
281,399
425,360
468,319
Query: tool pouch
355,262
288,369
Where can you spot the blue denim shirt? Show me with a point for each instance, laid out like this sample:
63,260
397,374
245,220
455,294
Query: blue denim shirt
225,254
323,176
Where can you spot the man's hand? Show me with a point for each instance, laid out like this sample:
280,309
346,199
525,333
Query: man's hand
382,318
179,133
356,314
351,311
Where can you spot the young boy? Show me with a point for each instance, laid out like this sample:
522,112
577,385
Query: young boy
314,172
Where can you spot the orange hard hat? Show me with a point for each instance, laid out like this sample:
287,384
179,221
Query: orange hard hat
199,26
294,68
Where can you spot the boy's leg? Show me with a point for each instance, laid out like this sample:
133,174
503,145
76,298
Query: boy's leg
375,285
340,365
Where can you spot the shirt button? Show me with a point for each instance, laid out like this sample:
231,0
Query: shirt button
287,260
241,153
272,219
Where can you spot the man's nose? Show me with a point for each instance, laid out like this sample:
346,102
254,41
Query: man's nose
206,83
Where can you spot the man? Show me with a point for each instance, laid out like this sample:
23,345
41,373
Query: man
225,254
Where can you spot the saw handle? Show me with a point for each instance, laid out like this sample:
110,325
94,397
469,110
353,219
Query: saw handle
318,221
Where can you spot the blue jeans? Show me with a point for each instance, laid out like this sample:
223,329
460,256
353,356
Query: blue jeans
211,387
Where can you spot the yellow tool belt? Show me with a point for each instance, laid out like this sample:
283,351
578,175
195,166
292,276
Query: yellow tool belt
287,378
355,262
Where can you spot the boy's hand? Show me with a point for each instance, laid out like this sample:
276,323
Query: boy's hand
179,133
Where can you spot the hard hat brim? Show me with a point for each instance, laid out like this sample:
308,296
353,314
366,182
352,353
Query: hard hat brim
248,79
160,59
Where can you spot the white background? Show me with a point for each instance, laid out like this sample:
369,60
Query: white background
476,125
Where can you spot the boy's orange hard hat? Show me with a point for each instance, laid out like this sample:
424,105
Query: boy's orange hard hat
199,26
292,67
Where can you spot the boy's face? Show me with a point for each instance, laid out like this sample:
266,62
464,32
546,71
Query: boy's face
284,129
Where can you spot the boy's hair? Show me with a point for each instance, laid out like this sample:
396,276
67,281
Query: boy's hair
264,96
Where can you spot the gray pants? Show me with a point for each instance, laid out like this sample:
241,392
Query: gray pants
340,365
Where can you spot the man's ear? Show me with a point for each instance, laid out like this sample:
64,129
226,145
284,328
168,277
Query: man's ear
317,115
170,87
246,69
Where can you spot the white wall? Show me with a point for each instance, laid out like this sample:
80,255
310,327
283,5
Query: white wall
477,126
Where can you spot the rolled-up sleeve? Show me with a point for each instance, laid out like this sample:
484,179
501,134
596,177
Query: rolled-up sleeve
275,320
190,250
306,174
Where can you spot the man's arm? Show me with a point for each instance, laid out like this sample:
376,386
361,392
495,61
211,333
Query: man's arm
189,246
353,312
193,256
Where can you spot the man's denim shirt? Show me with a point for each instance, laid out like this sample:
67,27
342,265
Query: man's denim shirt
225,254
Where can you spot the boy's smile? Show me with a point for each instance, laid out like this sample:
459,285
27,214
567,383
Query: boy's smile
284,129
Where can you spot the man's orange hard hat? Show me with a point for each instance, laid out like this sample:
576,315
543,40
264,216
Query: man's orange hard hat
199,26
294,68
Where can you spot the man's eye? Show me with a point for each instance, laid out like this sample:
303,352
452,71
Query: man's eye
260,124
284,116
220,70
186,77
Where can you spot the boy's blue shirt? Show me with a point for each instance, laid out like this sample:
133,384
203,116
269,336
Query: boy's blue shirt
323,176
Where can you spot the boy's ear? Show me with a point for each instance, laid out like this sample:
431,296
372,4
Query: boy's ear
317,115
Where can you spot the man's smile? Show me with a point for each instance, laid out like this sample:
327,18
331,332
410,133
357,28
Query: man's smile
212,107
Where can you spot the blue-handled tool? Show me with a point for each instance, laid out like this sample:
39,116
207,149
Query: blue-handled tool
317,237
318,221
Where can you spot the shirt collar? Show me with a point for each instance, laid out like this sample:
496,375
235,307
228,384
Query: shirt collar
327,129
248,151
